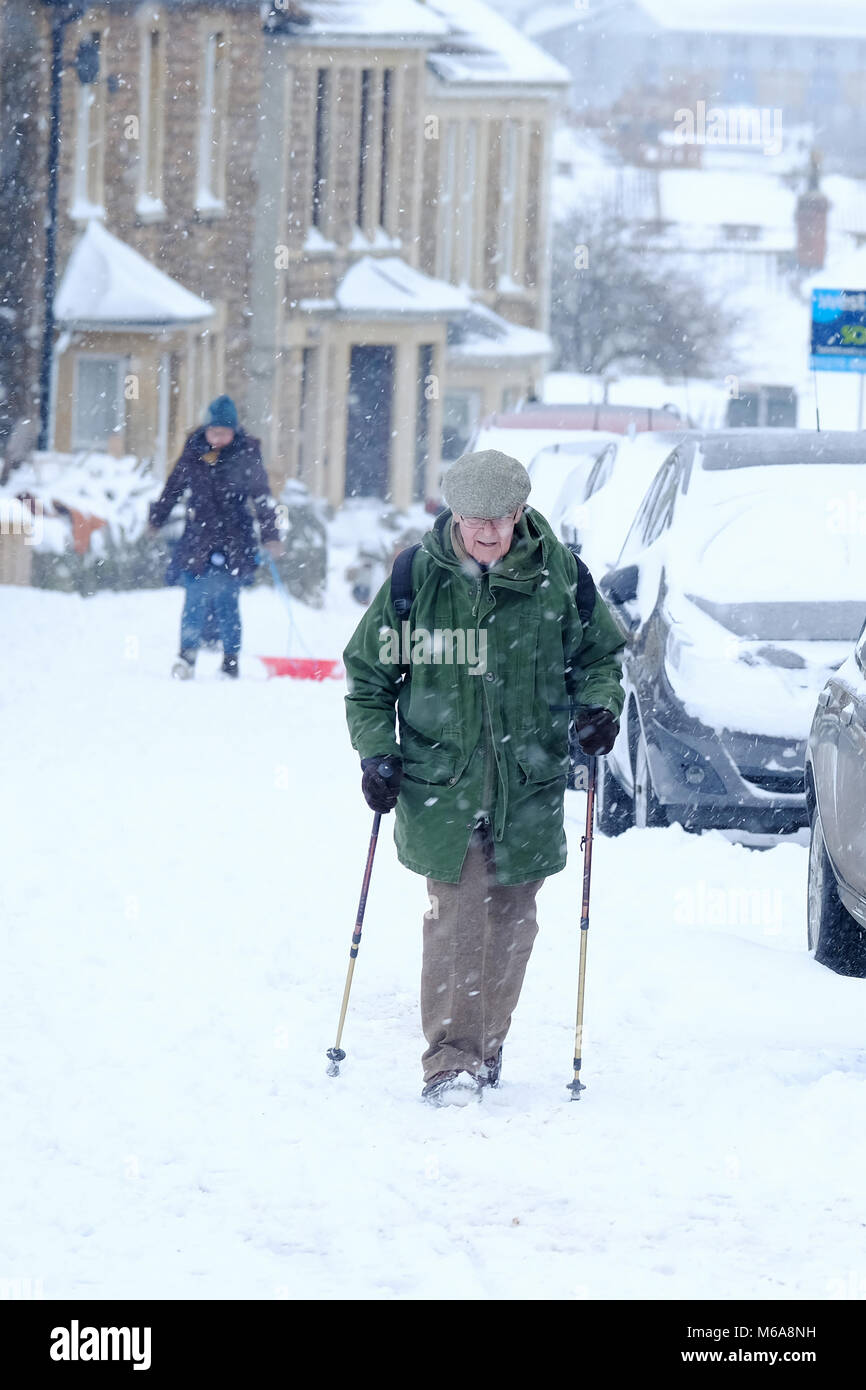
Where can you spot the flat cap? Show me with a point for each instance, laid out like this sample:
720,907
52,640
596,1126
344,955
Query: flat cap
488,484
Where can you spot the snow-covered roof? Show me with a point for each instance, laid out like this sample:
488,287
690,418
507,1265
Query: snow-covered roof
108,284
370,19
479,335
700,205
722,197
803,18
387,287
482,47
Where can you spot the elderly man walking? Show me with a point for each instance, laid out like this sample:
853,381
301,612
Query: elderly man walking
484,676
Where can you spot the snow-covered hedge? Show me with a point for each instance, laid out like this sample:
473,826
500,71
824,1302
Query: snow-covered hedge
89,532
74,493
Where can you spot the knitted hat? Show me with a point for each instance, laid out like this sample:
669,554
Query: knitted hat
488,484
222,412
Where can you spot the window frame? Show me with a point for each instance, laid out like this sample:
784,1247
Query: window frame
213,124
88,176
446,210
322,134
509,176
149,199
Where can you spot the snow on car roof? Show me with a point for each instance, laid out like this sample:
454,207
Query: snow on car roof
755,448
522,445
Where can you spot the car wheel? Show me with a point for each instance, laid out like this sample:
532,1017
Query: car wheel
647,811
834,935
614,808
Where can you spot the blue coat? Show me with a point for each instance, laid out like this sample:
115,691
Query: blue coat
218,515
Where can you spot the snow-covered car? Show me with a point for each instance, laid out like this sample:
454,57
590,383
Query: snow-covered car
559,472
743,589
836,796
598,521
522,433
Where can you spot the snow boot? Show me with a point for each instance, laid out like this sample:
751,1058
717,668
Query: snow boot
490,1073
451,1088
230,666
184,668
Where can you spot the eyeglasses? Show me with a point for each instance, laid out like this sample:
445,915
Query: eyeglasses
501,523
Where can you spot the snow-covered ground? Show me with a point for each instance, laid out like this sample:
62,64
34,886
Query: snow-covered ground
181,866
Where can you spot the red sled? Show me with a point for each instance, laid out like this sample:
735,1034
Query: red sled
303,668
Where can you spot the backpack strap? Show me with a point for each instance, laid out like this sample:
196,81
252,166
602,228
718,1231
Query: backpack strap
585,590
402,594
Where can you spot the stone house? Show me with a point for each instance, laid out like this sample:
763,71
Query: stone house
337,212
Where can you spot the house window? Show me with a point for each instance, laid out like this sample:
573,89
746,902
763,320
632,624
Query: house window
447,177
321,151
87,184
387,142
364,132
507,214
467,202
149,203
98,404
740,231
212,126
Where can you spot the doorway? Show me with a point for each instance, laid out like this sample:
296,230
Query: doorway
368,429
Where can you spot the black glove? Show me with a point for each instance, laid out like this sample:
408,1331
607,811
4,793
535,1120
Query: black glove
381,782
596,730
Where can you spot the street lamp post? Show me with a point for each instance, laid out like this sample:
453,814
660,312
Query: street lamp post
65,12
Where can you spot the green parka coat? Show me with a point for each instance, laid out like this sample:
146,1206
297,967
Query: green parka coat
488,733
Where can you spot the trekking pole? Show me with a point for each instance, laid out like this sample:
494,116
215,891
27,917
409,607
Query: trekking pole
576,1086
335,1054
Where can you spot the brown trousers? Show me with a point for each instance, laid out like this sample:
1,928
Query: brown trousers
478,936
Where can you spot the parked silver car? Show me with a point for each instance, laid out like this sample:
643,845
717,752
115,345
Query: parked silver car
836,800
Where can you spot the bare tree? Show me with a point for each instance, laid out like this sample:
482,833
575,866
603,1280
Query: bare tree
616,302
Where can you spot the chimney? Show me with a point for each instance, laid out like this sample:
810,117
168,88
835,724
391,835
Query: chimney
811,216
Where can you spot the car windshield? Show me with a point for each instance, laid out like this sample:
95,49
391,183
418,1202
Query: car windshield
826,621
774,552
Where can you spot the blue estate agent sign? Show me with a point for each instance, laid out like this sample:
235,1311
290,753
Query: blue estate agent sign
838,331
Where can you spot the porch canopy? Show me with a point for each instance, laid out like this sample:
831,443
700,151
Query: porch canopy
386,287
108,285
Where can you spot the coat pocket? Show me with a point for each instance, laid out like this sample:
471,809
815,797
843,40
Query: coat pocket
538,764
427,760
